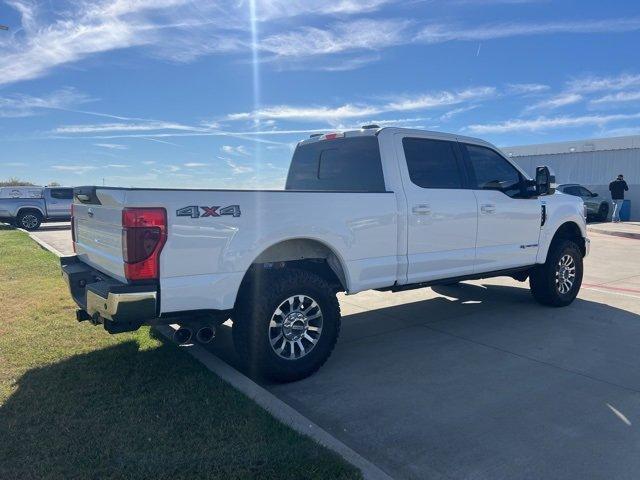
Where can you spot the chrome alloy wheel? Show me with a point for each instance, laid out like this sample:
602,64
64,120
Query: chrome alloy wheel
295,327
29,221
565,274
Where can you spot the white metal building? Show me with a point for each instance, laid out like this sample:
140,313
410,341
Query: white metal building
592,163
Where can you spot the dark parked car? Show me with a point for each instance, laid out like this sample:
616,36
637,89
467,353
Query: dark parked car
597,208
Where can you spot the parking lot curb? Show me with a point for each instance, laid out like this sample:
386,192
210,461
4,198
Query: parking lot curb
42,243
279,409
614,233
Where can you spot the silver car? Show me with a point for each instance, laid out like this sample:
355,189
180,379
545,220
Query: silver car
597,208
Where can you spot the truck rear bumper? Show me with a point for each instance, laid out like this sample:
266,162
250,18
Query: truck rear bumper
118,306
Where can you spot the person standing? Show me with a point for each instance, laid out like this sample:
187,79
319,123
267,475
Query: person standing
617,189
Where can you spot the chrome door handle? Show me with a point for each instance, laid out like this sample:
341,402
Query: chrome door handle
421,209
487,208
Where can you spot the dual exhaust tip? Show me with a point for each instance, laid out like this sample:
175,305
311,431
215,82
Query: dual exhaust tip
184,335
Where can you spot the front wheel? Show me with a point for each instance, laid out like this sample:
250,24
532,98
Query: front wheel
286,325
557,282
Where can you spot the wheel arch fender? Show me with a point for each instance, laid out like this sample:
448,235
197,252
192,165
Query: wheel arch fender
35,208
300,250
570,230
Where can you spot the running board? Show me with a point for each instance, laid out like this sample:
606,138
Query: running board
519,273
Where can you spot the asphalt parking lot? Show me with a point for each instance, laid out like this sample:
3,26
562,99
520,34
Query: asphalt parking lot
479,381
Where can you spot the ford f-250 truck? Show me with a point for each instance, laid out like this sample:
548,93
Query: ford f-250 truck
377,208
28,208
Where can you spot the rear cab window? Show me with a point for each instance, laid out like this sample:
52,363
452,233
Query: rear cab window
350,164
433,163
62,193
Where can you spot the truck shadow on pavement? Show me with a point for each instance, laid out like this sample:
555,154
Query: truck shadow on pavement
587,336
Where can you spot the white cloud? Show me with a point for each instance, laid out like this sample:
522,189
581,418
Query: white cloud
364,34
439,33
546,123
618,97
194,165
236,168
77,169
526,88
20,105
456,111
83,28
239,150
116,165
289,112
111,146
557,101
54,34
348,111
274,9
123,127
595,84
439,99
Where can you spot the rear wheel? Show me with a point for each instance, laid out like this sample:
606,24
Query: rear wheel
286,325
603,212
557,282
29,219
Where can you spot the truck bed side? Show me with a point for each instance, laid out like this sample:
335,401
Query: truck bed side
208,249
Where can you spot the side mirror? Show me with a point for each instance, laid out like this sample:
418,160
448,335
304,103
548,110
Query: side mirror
594,194
545,181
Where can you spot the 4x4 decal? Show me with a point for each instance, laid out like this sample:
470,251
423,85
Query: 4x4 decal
193,211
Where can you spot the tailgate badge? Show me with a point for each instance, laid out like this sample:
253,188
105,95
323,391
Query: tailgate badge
90,212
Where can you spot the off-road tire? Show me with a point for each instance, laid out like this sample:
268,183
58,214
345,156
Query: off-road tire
542,279
29,220
257,303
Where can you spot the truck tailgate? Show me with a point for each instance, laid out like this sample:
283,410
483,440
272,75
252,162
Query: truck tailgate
97,217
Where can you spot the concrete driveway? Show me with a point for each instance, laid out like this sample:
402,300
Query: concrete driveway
478,381
57,235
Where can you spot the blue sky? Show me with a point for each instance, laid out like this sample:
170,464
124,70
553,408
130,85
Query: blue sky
185,93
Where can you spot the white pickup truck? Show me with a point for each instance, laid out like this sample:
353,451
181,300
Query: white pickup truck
378,208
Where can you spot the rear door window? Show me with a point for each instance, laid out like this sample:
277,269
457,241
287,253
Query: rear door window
432,163
349,164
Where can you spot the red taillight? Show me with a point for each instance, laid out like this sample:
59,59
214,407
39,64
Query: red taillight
73,230
144,231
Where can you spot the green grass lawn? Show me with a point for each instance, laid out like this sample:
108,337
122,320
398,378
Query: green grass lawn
76,402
